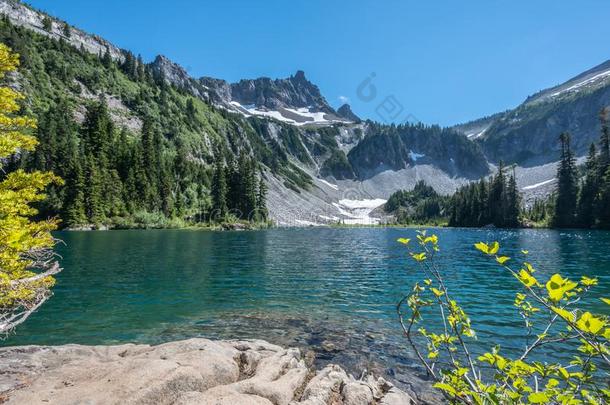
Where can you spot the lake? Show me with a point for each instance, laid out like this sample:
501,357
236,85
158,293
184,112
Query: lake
332,290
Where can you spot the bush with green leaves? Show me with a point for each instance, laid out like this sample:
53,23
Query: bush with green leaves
554,318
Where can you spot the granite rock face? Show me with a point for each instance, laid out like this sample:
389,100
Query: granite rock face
195,371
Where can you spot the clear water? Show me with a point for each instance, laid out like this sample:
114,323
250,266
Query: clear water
331,290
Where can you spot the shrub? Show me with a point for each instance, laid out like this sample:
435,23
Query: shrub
552,313
27,262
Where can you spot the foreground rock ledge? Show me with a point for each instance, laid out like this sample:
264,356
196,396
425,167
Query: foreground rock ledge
195,371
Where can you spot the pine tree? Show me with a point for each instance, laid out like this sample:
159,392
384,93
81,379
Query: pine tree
497,198
219,188
248,191
604,142
604,202
513,203
67,31
107,59
47,23
567,188
74,212
588,191
191,111
261,200
94,188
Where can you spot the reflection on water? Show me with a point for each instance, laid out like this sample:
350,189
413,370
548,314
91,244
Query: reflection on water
333,290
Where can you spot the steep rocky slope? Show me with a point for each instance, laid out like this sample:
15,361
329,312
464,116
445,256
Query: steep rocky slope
303,144
528,134
324,165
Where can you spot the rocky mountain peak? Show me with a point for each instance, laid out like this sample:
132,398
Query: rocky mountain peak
345,111
175,74
294,92
300,76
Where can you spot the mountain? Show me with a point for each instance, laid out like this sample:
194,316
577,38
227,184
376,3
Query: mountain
294,100
528,134
345,111
320,165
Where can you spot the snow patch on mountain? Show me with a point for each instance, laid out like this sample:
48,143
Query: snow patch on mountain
357,212
577,86
333,186
542,183
298,116
414,156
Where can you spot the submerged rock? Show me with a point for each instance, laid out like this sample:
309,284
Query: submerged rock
195,371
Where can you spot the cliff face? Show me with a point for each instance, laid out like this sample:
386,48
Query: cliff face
528,134
20,14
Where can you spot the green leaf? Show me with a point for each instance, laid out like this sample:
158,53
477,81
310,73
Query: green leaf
420,257
538,398
445,387
567,315
493,249
589,323
483,247
404,241
502,259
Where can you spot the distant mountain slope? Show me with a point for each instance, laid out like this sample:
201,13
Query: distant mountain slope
528,134
300,142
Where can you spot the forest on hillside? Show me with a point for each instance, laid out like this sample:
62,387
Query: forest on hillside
156,169
581,199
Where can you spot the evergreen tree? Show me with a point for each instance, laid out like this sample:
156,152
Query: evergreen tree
74,212
47,23
513,203
497,198
567,188
107,59
604,202
588,191
67,31
248,186
261,201
94,198
604,142
219,188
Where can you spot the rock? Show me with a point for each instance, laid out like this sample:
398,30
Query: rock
345,111
194,371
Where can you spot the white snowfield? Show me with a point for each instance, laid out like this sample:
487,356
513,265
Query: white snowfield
542,183
477,134
414,156
577,86
357,212
298,117
333,186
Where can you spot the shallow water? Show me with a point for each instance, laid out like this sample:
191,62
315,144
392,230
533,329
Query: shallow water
332,290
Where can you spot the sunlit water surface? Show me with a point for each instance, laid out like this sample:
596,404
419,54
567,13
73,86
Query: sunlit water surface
331,290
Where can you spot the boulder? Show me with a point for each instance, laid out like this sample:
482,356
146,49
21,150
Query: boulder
194,371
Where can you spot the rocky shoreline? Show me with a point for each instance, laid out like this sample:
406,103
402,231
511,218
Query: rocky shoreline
194,371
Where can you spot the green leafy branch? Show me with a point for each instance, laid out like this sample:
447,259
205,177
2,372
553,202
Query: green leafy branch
551,308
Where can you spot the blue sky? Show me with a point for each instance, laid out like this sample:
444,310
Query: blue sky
442,62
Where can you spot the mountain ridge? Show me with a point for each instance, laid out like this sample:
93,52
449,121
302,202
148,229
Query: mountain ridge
313,156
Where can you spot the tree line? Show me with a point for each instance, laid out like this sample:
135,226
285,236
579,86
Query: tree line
496,201
583,197
237,191
112,176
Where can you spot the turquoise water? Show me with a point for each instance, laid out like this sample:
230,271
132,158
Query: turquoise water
333,290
